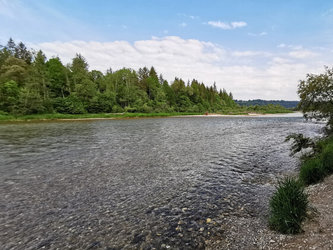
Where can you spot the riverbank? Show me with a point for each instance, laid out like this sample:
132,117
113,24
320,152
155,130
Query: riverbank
107,116
251,233
318,228
100,116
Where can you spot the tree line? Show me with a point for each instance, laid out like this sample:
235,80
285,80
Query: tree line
32,84
260,102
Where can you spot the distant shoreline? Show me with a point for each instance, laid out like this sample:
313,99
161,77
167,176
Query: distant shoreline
118,116
292,114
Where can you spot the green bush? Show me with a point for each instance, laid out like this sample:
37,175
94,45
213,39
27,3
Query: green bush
288,207
101,103
117,109
311,171
68,105
327,159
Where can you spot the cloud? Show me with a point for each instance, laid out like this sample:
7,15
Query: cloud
257,34
249,53
227,26
247,74
290,46
183,24
297,51
302,54
188,16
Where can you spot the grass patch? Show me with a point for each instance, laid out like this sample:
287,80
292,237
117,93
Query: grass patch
56,116
316,168
288,207
327,159
312,171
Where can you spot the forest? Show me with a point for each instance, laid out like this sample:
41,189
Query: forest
30,83
260,102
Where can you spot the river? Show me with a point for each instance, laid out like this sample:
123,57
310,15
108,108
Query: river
138,183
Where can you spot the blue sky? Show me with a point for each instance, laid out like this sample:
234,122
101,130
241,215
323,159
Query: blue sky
256,49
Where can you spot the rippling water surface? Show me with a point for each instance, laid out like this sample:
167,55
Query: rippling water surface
137,183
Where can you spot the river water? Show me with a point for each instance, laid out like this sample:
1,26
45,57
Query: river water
138,183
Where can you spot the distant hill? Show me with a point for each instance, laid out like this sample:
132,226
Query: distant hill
286,104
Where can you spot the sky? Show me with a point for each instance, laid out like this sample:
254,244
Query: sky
255,49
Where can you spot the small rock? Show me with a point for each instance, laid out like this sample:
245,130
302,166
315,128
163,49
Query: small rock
209,220
201,229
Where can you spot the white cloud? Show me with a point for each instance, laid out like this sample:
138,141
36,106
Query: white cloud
302,54
183,24
227,26
235,25
258,34
249,53
289,46
188,16
247,74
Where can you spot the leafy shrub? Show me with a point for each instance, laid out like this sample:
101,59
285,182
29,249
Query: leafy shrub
311,171
101,103
299,142
117,109
327,159
129,109
68,105
288,207
31,103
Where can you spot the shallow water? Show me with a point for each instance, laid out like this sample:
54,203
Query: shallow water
140,182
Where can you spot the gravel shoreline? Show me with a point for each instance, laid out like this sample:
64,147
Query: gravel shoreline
250,233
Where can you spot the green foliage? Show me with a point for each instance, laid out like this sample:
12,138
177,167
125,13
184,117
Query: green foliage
299,142
44,85
68,105
259,102
316,93
102,103
288,207
56,78
9,96
311,171
327,158
14,69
